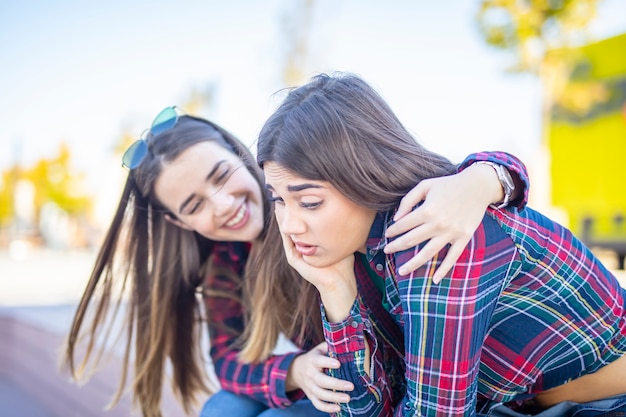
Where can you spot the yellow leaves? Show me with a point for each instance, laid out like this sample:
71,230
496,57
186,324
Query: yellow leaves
53,180
530,28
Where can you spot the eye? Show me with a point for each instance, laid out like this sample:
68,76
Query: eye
276,200
311,205
223,176
194,208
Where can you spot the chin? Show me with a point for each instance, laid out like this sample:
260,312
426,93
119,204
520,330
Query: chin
317,261
256,230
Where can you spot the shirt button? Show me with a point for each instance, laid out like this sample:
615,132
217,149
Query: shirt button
379,267
286,403
354,324
372,252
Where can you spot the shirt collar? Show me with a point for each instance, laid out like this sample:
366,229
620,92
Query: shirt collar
376,239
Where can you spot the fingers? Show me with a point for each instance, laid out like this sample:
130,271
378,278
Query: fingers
411,238
408,222
288,247
324,407
325,392
425,254
331,385
322,348
453,255
326,362
411,199
433,247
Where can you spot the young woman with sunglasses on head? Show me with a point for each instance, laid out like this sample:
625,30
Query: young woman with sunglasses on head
528,321
191,215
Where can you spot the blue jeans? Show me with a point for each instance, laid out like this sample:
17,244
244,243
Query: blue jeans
225,403
610,407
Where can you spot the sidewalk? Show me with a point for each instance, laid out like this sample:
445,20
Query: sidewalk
38,296
16,402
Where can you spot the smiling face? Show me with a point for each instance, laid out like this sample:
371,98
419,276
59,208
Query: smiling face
209,190
324,225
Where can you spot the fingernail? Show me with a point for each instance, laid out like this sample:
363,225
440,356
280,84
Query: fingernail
348,387
402,271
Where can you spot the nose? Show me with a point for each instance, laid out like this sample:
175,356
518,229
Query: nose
222,203
288,222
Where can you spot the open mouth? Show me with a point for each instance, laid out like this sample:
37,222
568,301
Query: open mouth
304,249
238,218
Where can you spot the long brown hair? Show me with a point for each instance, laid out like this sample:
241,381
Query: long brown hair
338,129
151,269
271,308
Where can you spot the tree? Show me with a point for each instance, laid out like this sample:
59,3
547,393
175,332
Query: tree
534,29
53,180
542,36
8,180
56,181
296,28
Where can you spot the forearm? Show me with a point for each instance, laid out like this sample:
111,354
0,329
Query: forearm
515,167
337,302
265,381
352,341
338,299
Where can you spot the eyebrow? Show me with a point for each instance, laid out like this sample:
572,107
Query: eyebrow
208,177
296,188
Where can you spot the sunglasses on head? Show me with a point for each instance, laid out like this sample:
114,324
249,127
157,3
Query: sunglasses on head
136,152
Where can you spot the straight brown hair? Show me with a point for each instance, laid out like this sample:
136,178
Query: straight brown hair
152,271
338,129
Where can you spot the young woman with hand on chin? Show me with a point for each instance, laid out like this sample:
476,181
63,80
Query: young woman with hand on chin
192,221
527,321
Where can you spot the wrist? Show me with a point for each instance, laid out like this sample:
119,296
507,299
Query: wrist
338,300
505,186
291,382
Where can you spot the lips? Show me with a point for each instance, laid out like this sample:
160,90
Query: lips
238,219
304,249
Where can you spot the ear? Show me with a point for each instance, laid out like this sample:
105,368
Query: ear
177,222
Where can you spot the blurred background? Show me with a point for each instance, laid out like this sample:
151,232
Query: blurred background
542,79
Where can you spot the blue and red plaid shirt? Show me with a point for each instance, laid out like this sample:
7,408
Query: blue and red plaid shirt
265,381
527,307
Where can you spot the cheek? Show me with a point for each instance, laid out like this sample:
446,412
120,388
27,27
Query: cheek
278,213
202,225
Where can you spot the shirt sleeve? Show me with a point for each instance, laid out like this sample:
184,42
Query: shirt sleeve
263,381
445,324
515,166
346,342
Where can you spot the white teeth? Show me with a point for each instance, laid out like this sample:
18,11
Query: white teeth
238,217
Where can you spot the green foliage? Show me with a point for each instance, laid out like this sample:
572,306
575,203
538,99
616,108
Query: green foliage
54,181
7,187
530,29
296,25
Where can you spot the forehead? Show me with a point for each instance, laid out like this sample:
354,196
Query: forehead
180,177
202,155
278,174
